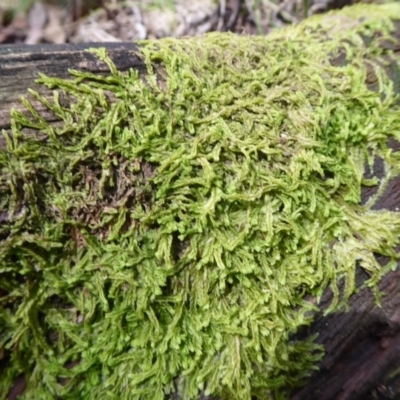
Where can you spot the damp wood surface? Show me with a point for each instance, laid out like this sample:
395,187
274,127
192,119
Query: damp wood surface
362,346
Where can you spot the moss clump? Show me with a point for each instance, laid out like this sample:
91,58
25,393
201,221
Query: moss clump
163,238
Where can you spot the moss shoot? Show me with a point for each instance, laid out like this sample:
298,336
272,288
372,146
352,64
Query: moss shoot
163,238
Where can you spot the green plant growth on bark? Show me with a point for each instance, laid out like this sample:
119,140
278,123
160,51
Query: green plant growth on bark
164,237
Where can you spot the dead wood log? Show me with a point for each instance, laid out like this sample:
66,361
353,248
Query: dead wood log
362,358
20,66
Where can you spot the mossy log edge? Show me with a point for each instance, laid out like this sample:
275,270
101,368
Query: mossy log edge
362,346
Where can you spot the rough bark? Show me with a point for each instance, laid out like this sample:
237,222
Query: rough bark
362,358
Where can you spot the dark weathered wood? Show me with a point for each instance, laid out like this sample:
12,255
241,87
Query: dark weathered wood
20,67
362,358
362,346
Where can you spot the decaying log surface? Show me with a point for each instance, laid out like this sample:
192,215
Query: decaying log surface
20,67
362,346
362,358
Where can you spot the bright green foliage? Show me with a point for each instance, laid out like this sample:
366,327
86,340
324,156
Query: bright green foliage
164,236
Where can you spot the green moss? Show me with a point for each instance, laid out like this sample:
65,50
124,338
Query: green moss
164,236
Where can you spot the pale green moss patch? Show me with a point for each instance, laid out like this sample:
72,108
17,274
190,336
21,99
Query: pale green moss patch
165,241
